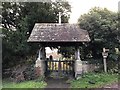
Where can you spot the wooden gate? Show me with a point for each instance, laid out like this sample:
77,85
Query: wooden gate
62,67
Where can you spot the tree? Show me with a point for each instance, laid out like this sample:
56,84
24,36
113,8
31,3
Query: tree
102,27
66,52
18,20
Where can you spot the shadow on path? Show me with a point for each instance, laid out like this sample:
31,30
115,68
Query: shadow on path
57,83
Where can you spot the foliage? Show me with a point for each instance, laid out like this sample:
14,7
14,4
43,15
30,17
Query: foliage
94,80
102,27
41,78
15,45
29,73
18,20
67,52
25,84
112,66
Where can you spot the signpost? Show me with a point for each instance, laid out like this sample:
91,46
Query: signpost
105,54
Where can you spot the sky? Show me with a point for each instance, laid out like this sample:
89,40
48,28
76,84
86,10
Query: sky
80,7
48,50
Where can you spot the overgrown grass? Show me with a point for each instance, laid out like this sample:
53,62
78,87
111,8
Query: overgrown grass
94,80
25,84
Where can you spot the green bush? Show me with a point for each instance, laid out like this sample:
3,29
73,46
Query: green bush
29,73
41,78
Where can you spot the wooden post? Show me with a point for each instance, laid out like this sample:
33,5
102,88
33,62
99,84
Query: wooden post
39,54
59,17
105,65
43,53
105,54
77,53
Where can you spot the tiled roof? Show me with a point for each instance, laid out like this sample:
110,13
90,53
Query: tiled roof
54,32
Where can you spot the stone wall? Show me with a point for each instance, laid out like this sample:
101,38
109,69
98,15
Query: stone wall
87,67
40,67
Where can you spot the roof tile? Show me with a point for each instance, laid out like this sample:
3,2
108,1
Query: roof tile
54,32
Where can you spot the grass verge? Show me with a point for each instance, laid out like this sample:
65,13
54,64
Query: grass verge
25,84
94,80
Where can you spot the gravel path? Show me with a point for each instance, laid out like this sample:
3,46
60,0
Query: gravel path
57,83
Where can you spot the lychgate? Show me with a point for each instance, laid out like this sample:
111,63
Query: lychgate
53,35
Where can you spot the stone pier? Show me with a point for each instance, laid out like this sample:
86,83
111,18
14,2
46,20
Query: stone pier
40,62
78,63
